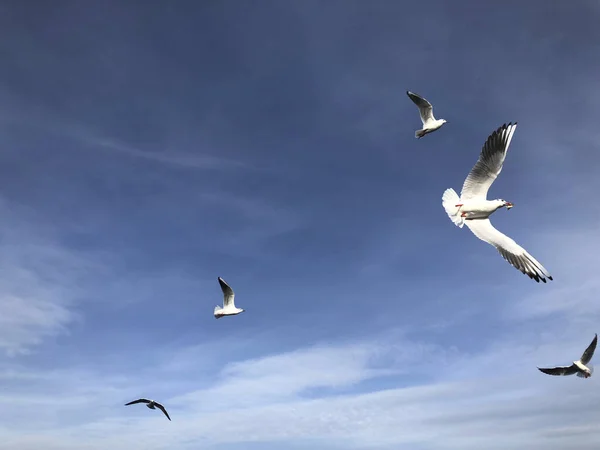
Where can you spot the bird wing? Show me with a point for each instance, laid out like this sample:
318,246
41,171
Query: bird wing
565,370
162,408
228,294
139,400
489,165
425,108
516,255
589,352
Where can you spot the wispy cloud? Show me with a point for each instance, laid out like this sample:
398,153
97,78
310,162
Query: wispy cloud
191,160
498,407
39,281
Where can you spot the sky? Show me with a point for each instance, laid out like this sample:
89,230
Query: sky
148,148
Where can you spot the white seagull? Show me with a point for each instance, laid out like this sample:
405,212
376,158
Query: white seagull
581,368
229,308
473,208
150,404
430,123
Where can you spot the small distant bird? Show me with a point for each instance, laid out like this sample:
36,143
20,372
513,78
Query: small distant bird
150,404
473,209
430,123
581,368
229,308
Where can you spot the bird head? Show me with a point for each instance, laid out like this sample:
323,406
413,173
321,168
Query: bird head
507,204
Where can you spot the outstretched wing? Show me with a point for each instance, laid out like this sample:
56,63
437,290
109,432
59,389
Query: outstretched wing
589,352
489,165
162,408
566,370
139,400
425,108
228,294
516,255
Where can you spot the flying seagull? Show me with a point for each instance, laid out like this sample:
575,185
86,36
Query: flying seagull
229,308
473,209
150,404
581,368
430,123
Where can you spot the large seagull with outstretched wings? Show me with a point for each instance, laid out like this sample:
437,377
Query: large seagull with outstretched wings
473,209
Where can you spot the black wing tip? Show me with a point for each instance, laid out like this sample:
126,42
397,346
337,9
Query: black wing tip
414,96
539,278
505,126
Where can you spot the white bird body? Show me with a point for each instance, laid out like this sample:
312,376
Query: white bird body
430,123
228,308
227,311
429,126
479,209
473,209
582,367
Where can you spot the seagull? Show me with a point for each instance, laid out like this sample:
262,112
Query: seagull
473,209
430,123
229,308
150,404
581,368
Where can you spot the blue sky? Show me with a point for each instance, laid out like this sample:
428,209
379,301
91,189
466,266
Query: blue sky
147,149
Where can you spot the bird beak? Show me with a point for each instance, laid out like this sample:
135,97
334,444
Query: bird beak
509,205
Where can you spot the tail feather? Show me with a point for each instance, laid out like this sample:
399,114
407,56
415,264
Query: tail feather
217,310
449,201
420,133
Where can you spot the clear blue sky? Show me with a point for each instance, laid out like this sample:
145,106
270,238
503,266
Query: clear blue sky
148,148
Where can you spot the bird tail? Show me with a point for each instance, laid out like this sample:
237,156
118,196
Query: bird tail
449,201
217,310
420,133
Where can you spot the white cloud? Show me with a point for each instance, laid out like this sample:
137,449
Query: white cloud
38,281
498,400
